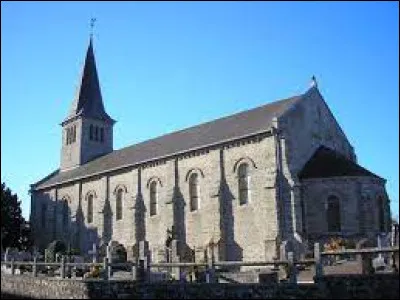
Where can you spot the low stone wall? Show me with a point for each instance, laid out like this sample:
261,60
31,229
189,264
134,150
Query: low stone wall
98,289
382,286
357,286
45,288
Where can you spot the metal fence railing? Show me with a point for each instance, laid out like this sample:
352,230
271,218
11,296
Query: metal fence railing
141,269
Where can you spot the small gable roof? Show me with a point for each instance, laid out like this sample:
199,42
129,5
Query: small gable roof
326,162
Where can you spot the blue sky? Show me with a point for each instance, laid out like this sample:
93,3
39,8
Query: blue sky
164,66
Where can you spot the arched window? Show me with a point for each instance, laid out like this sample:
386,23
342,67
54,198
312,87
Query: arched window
91,132
90,209
74,133
69,133
153,198
118,204
381,213
333,214
67,136
65,213
194,191
244,182
101,134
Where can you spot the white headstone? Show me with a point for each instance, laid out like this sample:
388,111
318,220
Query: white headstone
108,250
378,263
143,249
93,252
7,254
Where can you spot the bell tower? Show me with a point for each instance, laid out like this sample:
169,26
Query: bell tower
87,131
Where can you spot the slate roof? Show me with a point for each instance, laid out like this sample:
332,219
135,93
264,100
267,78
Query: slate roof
231,127
328,163
88,101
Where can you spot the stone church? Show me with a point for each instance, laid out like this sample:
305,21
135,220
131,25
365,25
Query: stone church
240,185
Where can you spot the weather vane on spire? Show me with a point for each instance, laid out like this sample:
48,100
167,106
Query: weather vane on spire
92,20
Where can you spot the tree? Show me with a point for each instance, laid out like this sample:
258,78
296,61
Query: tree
15,231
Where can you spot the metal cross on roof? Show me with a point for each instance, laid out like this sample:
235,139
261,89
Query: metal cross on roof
314,81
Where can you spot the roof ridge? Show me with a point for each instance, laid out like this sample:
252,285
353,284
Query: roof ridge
214,120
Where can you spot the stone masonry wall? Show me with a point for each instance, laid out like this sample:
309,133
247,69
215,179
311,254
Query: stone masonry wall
255,223
123,229
248,234
156,225
379,286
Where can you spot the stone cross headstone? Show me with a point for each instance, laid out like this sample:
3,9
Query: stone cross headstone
143,249
109,259
174,248
109,252
7,254
93,252
378,263
175,258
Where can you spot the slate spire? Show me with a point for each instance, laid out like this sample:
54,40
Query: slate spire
88,101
